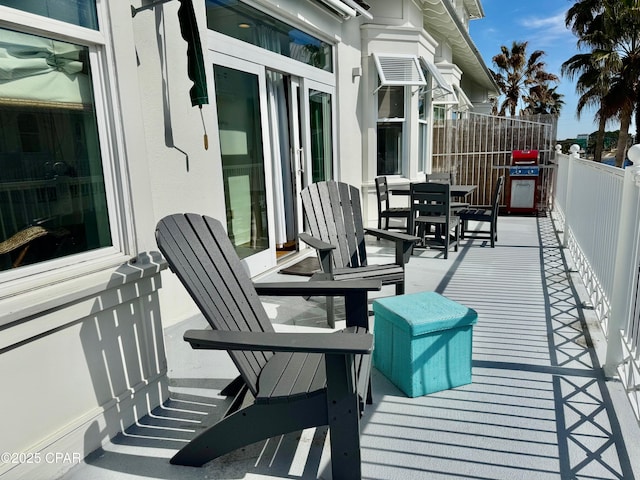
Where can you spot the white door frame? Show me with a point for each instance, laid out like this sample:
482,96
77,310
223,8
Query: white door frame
252,59
307,85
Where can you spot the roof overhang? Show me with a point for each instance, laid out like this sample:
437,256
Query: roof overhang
474,7
440,18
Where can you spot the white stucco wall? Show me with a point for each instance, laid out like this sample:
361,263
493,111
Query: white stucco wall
81,350
75,374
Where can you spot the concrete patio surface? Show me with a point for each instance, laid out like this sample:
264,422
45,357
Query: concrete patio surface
538,408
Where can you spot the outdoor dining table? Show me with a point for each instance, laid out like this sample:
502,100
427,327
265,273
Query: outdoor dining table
456,191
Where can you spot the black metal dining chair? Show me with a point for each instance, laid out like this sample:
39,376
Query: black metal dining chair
450,178
385,211
431,210
483,213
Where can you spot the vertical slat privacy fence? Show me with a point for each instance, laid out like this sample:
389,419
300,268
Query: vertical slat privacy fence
477,148
598,208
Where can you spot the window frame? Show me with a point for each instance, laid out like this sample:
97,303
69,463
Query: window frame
110,137
401,161
424,139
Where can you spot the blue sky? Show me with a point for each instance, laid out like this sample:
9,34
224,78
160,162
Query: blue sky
541,23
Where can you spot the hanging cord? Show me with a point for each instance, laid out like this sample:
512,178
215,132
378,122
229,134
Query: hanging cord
204,126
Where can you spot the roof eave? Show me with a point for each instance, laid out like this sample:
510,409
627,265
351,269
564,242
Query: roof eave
438,14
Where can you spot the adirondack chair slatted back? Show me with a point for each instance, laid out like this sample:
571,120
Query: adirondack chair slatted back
200,253
334,215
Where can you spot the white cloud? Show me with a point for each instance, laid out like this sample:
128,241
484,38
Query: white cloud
547,29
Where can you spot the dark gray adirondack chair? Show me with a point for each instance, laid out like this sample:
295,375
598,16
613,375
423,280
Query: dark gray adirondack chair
488,214
334,218
296,380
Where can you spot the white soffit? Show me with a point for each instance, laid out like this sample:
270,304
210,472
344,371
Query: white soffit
441,83
398,70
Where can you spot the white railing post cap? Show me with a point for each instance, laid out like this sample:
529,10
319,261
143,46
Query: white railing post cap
634,156
574,151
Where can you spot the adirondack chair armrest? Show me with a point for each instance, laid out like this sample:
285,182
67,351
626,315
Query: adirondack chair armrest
315,242
353,291
341,343
404,243
324,249
317,288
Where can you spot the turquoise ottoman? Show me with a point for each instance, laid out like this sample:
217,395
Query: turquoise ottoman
422,342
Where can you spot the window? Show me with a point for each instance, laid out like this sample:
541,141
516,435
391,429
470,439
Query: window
391,121
395,73
78,12
240,21
439,114
423,129
53,200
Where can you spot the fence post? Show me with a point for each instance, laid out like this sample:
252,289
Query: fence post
574,149
626,264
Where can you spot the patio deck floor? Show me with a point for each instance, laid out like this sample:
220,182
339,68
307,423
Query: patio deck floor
539,406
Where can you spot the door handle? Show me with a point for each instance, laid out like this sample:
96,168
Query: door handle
300,160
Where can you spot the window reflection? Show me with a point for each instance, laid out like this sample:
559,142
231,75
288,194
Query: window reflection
78,12
52,194
238,103
240,21
390,131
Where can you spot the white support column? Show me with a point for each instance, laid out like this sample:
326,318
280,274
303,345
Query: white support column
626,264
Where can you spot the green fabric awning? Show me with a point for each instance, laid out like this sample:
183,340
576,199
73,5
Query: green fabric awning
195,58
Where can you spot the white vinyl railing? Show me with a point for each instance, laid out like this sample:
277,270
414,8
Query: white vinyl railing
598,207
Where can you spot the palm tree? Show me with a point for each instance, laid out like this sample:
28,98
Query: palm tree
517,72
593,80
543,100
612,29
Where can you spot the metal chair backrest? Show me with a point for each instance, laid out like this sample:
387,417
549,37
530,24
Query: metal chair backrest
431,198
382,192
496,193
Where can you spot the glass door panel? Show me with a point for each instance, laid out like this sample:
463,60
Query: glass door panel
320,135
241,126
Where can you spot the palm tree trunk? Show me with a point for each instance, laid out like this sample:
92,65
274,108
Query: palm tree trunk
625,121
636,139
602,123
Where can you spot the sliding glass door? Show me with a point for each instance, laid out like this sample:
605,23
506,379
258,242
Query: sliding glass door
242,119
276,135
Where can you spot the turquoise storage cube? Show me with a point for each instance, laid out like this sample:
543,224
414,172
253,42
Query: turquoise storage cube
422,342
